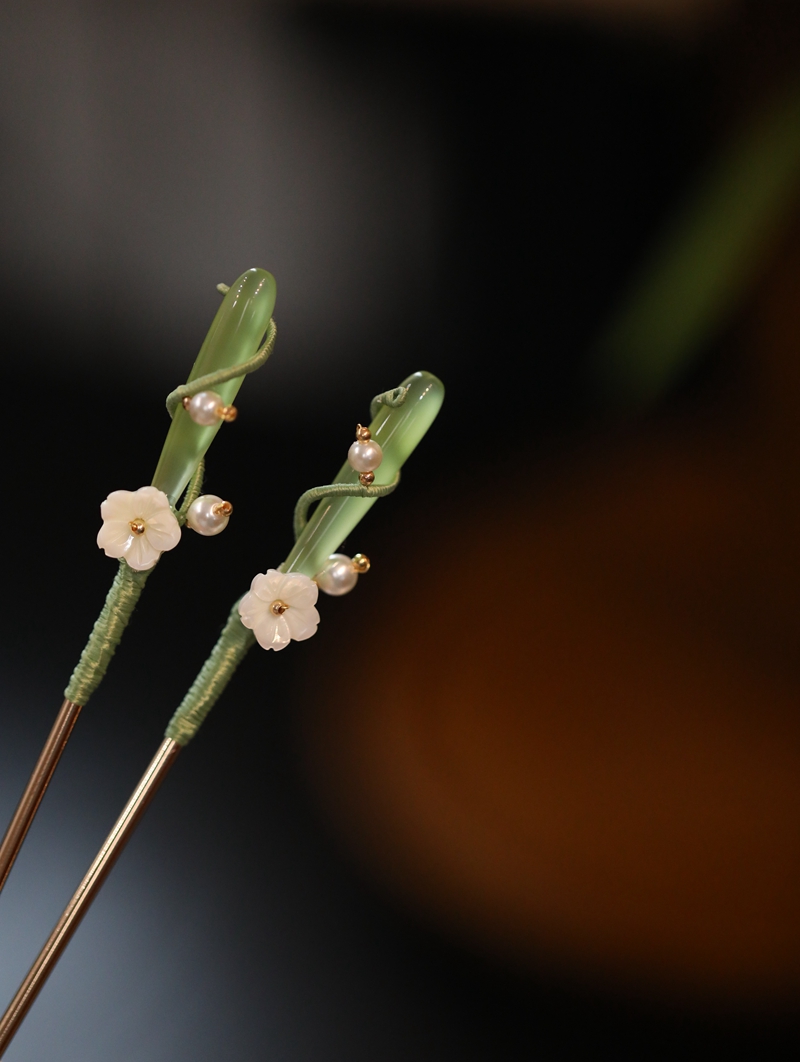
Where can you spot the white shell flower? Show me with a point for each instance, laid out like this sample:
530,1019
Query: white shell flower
280,607
139,526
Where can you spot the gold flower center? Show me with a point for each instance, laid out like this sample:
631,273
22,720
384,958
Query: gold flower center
137,526
278,608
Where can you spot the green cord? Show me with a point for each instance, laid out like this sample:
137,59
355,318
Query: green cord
341,490
192,492
214,379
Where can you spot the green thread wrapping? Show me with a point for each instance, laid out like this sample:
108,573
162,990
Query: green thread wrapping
213,379
106,633
342,490
236,639
214,676
192,492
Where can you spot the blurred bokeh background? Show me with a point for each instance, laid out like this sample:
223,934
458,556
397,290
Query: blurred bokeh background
532,791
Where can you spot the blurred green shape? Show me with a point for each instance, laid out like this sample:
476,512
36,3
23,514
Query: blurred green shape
706,258
234,337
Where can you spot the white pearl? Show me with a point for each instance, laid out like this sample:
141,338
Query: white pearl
338,576
203,408
365,456
202,518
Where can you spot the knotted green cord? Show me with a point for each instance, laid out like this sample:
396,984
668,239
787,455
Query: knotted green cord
394,398
235,639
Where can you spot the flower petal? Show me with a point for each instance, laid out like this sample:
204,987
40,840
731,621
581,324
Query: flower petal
118,506
260,588
139,554
163,531
274,580
252,608
299,591
302,622
272,632
298,622
150,501
113,537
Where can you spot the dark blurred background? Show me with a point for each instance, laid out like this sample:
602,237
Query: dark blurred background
469,189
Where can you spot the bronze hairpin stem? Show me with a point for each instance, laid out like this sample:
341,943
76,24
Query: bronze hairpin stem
87,890
37,784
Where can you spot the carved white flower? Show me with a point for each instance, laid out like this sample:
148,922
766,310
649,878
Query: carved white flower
279,608
139,526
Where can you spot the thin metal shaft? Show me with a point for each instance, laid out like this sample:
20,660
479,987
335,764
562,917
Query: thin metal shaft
37,784
87,890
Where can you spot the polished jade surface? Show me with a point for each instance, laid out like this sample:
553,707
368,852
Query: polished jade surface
398,431
235,335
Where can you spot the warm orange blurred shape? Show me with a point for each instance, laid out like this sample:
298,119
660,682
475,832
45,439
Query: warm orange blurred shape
587,752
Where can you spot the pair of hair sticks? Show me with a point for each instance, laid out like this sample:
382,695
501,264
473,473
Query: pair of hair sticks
138,526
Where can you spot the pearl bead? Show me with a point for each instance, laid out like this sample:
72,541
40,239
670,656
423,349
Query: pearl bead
365,456
202,517
204,408
338,576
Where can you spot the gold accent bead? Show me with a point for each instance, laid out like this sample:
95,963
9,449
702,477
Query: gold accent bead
366,479
137,526
222,509
361,563
185,402
278,608
227,413
363,434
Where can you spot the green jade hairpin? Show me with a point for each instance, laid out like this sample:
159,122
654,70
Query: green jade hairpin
278,608
140,525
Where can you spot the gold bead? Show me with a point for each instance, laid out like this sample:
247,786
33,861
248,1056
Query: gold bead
222,509
361,563
363,434
227,413
366,479
185,402
278,608
137,526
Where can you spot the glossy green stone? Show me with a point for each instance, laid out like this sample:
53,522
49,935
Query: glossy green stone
398,431
234,337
